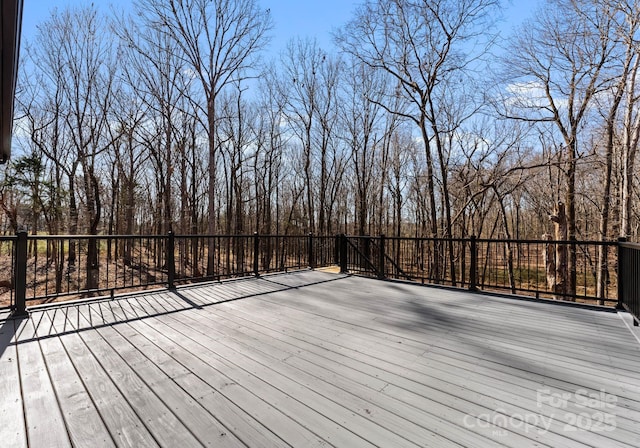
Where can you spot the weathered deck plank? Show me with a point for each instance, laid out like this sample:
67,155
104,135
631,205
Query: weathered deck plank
316,359
45,424
411,379
83,422
397,370
12,429
263,359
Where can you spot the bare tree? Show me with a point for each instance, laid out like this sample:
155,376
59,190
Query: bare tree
269,163
556,71
80,62
361,121
402,148
300,85
127,158
626,24
235,130
157,80
630,139
45,105
218,40
420,44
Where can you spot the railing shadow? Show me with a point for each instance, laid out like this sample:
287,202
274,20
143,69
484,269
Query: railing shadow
8,330
93,315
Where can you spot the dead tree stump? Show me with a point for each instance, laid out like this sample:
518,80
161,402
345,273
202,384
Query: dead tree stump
549,256
556,255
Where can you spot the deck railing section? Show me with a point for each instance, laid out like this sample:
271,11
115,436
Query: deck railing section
89,266
629,283
39,269
224,256
515,267
8,274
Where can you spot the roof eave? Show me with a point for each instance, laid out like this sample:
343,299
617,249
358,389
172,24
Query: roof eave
11,21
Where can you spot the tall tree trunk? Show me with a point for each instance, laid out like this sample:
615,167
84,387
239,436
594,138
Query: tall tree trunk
629,150
212,184
571,264
603,266
508,248
435,261
311,221
94,214
73,218
561,287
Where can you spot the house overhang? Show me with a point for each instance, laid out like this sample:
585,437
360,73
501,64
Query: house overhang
11,21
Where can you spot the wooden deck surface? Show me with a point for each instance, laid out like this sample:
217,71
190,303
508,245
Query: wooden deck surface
313,359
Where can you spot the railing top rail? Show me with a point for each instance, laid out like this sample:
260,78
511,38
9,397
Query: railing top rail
542,241
99,237
251,235
216,235
405,238
629,245
102,236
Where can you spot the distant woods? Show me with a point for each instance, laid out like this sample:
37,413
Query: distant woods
425,122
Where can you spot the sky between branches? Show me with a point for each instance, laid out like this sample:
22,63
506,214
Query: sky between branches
292,18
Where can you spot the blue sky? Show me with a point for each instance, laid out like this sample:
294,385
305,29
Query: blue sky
304,18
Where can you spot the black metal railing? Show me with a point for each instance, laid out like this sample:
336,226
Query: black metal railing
8,274
629,282
223,256
520,267
516,267
61,266
39,269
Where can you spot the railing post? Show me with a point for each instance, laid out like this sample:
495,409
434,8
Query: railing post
381,259
474,264
310,254
21,275
256,255
619,270
171,260
343,254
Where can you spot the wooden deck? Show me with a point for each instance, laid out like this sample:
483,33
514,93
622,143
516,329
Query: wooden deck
316,359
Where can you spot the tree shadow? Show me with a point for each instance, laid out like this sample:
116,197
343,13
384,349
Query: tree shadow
440,322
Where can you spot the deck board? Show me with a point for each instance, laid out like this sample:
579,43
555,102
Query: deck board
12,431
461,381
82,420
44,421
122,422
263,361
316,359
